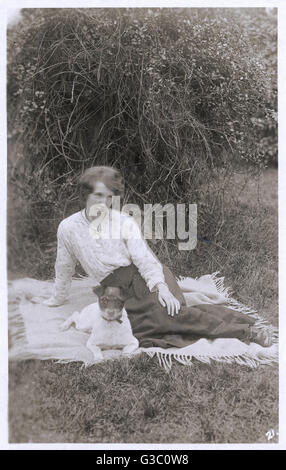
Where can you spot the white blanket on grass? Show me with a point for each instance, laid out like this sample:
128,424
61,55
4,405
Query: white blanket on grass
34,328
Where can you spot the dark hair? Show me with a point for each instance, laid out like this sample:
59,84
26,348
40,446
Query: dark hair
110,176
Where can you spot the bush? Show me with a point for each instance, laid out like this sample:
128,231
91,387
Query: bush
172,97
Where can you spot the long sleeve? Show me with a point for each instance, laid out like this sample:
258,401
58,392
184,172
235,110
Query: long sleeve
64,266
142,256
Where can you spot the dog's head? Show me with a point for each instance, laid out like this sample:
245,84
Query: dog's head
111,301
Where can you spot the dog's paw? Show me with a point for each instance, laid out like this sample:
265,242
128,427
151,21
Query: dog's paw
64,326
98,356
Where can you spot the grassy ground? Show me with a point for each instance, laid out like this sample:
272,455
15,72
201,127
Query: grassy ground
135,400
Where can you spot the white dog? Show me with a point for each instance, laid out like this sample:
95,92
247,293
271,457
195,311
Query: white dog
108,322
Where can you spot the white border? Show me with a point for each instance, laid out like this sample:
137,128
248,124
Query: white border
4,6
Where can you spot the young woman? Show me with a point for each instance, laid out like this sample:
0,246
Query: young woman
155,304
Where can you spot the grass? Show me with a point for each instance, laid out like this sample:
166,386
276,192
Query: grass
134,400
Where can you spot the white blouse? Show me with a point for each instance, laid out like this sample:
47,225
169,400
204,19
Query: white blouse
100,254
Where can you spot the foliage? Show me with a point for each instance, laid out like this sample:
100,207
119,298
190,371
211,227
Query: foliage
172,97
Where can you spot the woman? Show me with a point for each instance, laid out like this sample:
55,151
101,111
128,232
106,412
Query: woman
127,261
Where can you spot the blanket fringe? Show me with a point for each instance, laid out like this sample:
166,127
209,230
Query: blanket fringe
252,361
232,303
219,283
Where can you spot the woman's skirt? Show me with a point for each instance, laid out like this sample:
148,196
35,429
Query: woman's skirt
152,325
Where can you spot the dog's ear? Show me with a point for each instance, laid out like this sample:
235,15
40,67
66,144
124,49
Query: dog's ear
124,293
98,290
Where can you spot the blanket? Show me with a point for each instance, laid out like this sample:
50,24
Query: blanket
34,328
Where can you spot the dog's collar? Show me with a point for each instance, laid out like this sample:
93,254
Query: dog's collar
117,319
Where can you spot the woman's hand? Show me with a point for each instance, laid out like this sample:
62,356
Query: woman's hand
167,299
52,302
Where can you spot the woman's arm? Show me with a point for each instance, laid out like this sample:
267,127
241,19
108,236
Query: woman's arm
64,269
142,256
149,266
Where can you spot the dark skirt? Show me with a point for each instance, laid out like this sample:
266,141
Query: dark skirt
152,325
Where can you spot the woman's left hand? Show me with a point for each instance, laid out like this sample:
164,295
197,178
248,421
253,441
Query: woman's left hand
167,299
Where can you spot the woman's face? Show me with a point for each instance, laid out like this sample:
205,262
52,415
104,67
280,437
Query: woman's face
101,195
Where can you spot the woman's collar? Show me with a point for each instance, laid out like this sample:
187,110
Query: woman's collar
84,216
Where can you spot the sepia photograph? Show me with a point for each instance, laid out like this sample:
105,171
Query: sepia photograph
142,225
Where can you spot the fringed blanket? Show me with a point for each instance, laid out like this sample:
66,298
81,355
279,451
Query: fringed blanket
34,328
